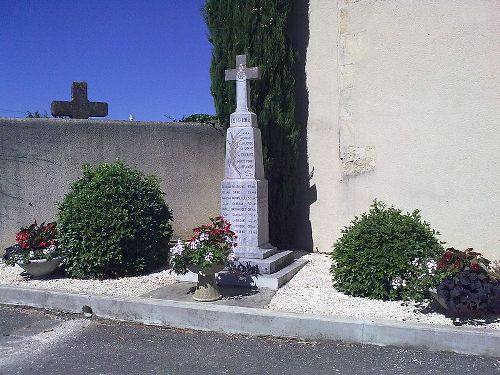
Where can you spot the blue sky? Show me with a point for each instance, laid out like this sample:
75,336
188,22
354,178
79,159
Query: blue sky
147,58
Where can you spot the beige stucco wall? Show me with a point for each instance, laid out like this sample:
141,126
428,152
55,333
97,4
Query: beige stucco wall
411,89
40,158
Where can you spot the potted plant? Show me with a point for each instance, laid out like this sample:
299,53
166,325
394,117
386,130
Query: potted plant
468,285
36,250
209,251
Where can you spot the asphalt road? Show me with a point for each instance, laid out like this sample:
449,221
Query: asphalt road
38,342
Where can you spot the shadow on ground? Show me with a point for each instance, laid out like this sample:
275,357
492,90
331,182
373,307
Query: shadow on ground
479,319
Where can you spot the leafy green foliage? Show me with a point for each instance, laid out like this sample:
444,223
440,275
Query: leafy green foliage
259,29
201,118
495,269
114,222
386,255
36,114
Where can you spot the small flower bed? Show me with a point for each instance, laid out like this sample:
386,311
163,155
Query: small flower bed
34,242
210,245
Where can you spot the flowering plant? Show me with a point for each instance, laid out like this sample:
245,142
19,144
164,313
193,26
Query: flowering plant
454,261
210,245
468,285
33,242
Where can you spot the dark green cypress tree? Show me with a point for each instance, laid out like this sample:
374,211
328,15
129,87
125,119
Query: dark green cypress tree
260,29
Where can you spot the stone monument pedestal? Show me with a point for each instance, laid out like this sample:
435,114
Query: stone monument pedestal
244,203
244,192
244,197
282,266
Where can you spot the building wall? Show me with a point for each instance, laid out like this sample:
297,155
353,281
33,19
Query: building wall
40,158
405,107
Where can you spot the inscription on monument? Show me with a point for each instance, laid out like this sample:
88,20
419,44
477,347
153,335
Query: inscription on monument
240,152
246,203
242,119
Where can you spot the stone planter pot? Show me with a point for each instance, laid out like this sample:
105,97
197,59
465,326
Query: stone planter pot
41,267
206,288
442,302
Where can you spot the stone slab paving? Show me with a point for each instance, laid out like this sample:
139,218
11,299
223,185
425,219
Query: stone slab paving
231,296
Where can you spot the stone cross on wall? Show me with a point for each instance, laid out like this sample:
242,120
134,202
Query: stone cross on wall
241,75
79,106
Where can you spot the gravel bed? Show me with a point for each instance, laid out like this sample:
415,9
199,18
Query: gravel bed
125,286
311,291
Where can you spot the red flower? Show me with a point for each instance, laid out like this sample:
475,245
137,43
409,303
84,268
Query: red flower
22,239
474,267
51,226
447,256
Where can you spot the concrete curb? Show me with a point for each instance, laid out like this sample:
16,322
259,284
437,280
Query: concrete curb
232,319
43,298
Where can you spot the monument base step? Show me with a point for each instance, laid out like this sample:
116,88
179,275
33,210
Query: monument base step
268,265
255,252
271,281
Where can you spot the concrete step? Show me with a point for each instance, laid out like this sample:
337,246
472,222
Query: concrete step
272,281
255,252
268,265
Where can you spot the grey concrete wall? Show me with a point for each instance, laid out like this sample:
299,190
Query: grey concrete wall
40,158
405,107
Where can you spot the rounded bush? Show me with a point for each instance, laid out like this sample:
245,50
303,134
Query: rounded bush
386,255
113,222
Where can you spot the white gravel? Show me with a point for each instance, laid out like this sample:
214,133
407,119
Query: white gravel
125,286
310,291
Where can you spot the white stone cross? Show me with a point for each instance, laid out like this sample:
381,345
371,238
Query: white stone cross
241,75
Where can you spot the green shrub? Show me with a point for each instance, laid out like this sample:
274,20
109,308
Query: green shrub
113,222
386,255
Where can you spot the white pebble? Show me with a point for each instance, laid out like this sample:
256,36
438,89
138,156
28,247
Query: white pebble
125,286
311,291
